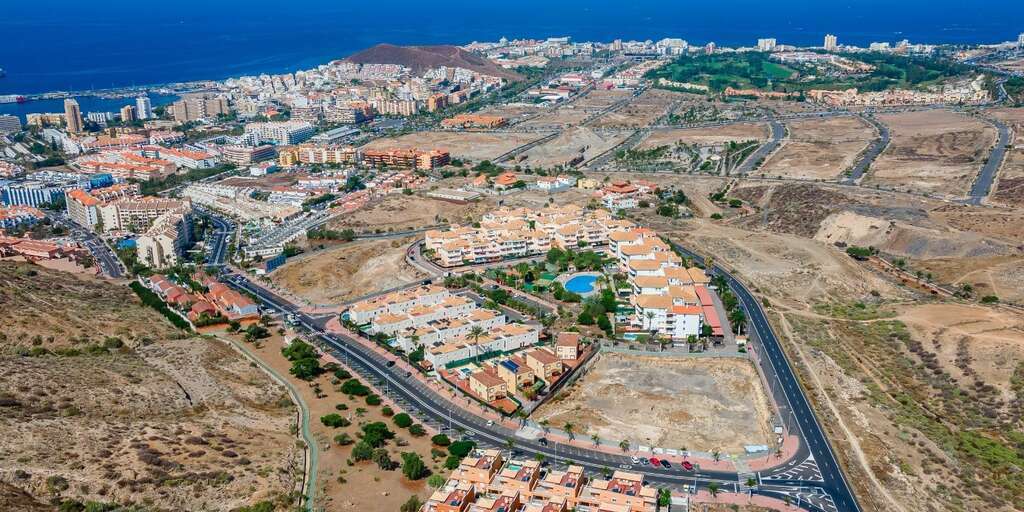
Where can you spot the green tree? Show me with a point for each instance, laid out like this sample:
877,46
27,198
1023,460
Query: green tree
343,439
461,449
362,451
412,466
334,420
440,440
413,504
402,420
436,481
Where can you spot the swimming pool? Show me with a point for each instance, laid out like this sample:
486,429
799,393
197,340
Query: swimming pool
581,284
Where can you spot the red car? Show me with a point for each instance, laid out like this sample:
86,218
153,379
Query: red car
687,466
655,462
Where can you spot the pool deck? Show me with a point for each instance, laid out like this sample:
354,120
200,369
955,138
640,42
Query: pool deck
565,278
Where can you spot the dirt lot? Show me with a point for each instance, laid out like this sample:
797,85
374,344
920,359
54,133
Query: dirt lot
569,144
576,112
1009,186
514,112
641,111
699,404
401,212
706,136
819,148
177,423
932,151
362,485
339,274
464,145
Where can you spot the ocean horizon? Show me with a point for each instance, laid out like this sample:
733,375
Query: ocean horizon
59,45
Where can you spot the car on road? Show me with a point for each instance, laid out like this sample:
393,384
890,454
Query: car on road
655,462
408,374
390,363
543,441
687,465
635,460
666,464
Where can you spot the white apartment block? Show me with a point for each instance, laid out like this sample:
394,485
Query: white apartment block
504,338
285,132
438,331
421,315
511,233
399,302
163,244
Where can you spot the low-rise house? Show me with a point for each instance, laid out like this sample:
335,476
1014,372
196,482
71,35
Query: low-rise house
567,346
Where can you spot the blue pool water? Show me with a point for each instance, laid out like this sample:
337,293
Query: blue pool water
581,284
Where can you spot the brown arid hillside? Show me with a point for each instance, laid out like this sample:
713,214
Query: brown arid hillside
422,58
138,414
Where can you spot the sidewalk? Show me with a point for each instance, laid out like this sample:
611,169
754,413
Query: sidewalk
730,498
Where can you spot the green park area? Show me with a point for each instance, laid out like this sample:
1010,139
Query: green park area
746,70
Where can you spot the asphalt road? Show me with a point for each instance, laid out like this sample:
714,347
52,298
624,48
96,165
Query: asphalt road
830,494
875,149
778,133
983,184
106,259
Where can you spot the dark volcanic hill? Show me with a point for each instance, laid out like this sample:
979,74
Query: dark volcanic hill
422,58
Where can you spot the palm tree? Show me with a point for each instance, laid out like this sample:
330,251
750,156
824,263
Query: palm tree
568,430
546,425
713,488
650,319
510,444
475,333
717,455
624,445
738,319
596,439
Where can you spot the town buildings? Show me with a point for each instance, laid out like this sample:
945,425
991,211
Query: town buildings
406,158
73,116
164,243
766,44
285,132
831,43
143,108
509,233
247,155
118,208
9,124
486,482
194,108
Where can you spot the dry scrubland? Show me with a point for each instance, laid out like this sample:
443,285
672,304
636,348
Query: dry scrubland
473,146
1009,186
642,110
398,212
819,148
176,423
361,486
921,396
569,144
342,273
577,111
697,404
706,136
932,151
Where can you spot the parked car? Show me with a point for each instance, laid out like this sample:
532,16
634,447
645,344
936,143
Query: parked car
655,462
635,460
665,464
390,364
687,465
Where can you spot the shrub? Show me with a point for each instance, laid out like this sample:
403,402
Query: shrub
452,462
354,387
441,440
461,449
343,439
334,420
362,451
342,374
435,481
412,466
372,400
417,430
402,420
376,434
387,411
989,299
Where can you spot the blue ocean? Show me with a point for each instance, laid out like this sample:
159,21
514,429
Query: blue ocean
52,45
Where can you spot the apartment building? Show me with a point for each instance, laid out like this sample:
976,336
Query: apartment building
515,372
313,154
118,208
181,157
247,155
17,215
422,315
366,311
487,385
164,243
484,481
9,124
568,346
126,165
511,233
406,158
544,364
505,338
438,331
194,108
285,132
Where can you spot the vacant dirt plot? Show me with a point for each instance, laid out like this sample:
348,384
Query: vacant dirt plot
820,148
641,111
1009,185
699,404
465,145
570,144
932,151
514,112
399,212
576,112
342,273
706,136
